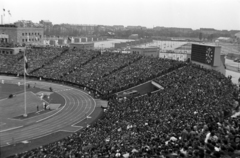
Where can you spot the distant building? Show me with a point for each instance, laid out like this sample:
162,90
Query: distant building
208,30
22,35
184,49
11,50
237,35
27,23
136,28
62,42
234,31
224,39
133,36
118,27
53,42
4,38
158,28
145,50
237,38
224,31
181,30
46,24
110,34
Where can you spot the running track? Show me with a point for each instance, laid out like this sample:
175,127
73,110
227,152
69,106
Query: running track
77,106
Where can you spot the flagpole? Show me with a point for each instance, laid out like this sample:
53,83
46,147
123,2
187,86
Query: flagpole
3,16
25,98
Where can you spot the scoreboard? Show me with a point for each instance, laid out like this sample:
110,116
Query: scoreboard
203,54
208,56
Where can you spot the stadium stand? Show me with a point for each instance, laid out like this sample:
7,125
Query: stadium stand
191,117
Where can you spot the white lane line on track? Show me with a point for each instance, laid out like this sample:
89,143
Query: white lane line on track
77,129
73,100
86,108
52,131
54,110
10,129
54,113
3,99
74,125
2,123
65,102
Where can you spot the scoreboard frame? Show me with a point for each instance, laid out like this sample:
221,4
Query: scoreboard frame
204,54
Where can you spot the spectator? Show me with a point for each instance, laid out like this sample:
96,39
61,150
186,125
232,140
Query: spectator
190,117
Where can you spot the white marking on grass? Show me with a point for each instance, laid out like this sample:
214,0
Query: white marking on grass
11,129
2,123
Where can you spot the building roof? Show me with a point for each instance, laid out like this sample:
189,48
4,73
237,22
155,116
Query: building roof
184,46
223,38
207,44
207,29
47,21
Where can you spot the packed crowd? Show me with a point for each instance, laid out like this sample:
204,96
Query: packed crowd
64,64
6,61
107,72
101,67
191,117
36,59
138,72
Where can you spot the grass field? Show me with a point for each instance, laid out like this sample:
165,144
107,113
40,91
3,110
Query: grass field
15,106
12,109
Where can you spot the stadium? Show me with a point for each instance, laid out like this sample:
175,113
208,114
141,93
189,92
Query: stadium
88,103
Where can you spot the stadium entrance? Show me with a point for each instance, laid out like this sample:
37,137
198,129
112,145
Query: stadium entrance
142,89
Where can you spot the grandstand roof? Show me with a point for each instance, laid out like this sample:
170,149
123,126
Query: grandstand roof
207,44
184,46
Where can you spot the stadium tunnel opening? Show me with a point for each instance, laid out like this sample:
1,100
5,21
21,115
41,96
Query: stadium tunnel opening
140,90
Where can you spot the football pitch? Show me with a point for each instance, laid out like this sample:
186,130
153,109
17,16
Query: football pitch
12,109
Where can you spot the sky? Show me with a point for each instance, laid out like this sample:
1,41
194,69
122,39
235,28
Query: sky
195,14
